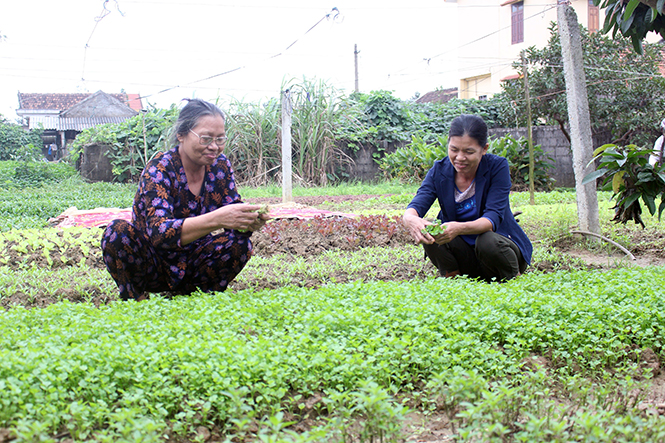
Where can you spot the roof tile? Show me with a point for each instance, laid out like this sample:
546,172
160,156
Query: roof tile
64,101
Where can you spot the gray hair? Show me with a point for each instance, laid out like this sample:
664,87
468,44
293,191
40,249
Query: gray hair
190,115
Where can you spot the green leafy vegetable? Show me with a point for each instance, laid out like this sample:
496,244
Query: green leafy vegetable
434,229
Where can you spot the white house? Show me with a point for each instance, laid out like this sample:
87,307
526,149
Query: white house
496,31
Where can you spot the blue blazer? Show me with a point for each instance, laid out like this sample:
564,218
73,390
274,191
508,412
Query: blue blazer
492,197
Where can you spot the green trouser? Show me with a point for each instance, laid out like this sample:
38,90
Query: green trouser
494,257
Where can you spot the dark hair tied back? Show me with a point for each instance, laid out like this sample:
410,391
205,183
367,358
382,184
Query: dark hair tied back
191,114
471,125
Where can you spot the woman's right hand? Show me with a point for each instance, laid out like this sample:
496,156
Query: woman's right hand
415,226
240,216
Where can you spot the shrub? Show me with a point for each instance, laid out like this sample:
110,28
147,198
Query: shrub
411,163
627,172
517,154
18,144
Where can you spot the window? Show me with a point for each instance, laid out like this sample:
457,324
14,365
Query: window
593,17
517,22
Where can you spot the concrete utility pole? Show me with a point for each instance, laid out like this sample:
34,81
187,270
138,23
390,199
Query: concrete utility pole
287,109
581,142
355,62
529,125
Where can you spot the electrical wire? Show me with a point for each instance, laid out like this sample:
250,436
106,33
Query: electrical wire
334,13
98,19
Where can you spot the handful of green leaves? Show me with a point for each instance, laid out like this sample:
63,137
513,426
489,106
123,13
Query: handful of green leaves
434,229
264,209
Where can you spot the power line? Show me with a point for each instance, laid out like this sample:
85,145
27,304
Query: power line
334,14
548,7
98,19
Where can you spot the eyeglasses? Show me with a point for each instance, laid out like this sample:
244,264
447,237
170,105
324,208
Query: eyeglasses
206,140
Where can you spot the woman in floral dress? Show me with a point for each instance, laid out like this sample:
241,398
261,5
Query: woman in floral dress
185,197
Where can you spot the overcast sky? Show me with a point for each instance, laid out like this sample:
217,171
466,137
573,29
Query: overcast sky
150,46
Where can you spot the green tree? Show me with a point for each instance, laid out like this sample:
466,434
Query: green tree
626,90
633,18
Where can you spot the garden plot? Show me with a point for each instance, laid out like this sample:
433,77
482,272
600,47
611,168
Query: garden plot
337,330
39,263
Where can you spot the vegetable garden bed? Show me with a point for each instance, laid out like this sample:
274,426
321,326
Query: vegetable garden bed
338,330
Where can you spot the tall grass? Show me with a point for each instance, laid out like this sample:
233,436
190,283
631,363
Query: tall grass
255,141
317,156
255,137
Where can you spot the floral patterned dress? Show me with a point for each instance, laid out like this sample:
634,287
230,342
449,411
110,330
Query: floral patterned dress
147,255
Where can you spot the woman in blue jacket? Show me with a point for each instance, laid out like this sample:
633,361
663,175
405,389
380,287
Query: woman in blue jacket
481,238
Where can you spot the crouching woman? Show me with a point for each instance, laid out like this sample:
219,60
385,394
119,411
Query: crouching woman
184,196
481,238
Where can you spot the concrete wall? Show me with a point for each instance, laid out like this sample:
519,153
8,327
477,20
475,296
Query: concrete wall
550,138
365,167
95,164
555,145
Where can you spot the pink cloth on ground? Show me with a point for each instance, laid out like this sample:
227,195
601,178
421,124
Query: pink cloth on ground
101,217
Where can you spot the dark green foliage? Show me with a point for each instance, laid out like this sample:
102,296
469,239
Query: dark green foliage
18,144
517,154
626,91
627,172
385,117
434,118
411,163
633,19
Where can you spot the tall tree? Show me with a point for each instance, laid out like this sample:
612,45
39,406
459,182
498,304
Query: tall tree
626,91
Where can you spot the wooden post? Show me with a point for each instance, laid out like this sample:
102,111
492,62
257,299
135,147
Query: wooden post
287,109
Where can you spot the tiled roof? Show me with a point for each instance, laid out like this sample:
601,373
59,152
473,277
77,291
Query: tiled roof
135,101
438,96
64,101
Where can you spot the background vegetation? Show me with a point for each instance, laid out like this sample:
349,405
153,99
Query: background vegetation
625,89
19,144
